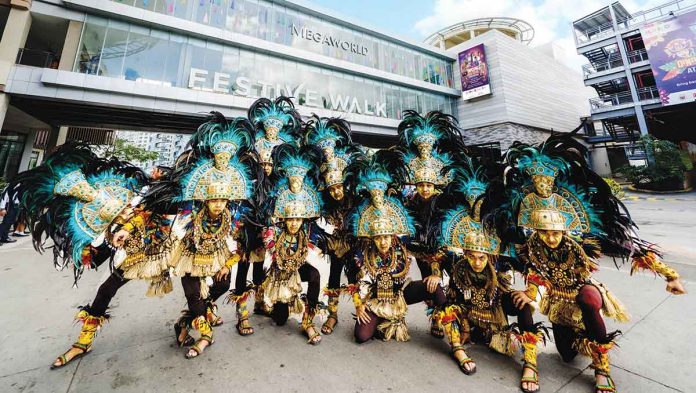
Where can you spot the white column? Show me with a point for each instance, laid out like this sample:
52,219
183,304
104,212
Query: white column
600,161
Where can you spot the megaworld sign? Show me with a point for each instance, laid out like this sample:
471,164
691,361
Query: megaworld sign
328,40
246,87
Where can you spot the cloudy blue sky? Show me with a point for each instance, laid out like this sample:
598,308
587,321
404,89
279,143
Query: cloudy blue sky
416,20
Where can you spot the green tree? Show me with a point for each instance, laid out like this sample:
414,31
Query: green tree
664,172
128,152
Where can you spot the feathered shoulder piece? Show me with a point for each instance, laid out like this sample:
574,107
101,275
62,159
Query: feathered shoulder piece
275,116
73,197
326,132
220,135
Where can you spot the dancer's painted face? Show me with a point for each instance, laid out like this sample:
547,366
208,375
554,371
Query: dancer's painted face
216,206
267,168
425,190
336,192
222,160
295,183
477,260
551,238
293,225
383,243
543,185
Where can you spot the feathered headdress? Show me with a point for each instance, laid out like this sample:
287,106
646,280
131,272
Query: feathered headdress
436,129
327,131
290,162
279,115
220,135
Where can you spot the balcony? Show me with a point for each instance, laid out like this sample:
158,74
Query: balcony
593,33
37,58
664,10
610,101
648,93
612,62
637,56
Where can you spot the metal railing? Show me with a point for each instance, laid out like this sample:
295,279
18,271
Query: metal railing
648,93
613,61
637,55
611,100
37,58
637,19
595,33
668,9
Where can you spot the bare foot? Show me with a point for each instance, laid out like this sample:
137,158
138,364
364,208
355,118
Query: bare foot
529,386
70,355
311,332
460,355
201,344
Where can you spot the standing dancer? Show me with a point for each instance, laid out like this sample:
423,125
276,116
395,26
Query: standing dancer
332,135
429,144
276,122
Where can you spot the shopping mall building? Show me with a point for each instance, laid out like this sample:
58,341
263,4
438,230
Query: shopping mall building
79,69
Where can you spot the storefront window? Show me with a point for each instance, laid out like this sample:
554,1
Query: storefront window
11,148
274,22
151,56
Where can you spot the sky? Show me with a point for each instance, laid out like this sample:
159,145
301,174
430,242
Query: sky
415,20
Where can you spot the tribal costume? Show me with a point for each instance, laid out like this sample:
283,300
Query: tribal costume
295,201
214,185
81,201
568,217
429,144
379,279
479,296
332,135
276,122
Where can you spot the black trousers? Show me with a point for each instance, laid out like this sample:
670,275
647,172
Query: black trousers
335,269
311,276
107,290
7,221
192,291
415,292
240,282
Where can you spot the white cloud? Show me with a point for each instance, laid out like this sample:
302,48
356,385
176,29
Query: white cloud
552,19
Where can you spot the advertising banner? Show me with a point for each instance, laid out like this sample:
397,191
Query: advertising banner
671,47
474,72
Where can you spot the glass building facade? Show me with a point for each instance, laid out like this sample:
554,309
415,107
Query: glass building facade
132,52
283,25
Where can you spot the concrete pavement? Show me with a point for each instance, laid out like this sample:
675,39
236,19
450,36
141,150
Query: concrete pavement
135,351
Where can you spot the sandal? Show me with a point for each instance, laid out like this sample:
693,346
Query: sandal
533,379
312,339
211,315
244,330
436,330
328,329
463,362
608,388
64,360
196,347
188,341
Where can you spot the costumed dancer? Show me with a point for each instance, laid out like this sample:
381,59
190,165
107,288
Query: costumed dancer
290,244
378,276
332,135
479,296
81,201
429,144
276,122
569,218
214,187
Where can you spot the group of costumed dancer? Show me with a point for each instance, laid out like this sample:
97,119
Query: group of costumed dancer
277,194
